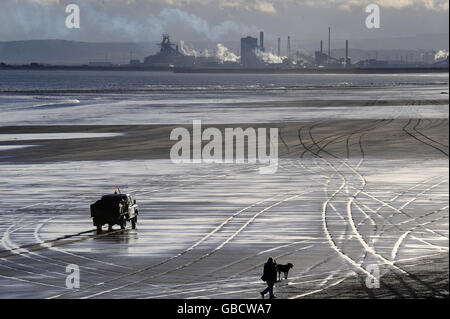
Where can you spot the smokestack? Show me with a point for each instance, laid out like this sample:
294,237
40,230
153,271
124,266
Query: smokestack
289,46
321,46
329,41
346,53
261,41
279,46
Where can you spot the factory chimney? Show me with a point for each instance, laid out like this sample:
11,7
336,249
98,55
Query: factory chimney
279,46
261,41
329,41
346,53
289,46
321,46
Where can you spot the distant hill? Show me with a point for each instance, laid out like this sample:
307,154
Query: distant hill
71,52
418,42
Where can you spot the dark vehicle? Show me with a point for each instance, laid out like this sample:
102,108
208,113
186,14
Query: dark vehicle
114,209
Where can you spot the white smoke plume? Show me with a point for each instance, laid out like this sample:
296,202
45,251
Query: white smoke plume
223,54
442,54
176,17
269,57
187,50
109,21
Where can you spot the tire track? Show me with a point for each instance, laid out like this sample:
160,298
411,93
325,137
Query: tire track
183,252
360,237
420,140
190,263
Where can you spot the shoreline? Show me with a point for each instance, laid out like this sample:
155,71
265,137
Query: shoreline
269,70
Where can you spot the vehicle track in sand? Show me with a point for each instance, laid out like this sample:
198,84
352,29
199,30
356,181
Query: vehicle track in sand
354,228
422,138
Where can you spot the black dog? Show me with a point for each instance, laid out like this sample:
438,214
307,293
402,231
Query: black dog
284,269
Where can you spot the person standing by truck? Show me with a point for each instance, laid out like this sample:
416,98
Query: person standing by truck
270,277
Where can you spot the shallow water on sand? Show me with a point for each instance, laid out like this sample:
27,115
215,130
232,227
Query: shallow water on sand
50,98
205,230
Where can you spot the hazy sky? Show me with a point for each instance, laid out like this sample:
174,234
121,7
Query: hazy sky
218,20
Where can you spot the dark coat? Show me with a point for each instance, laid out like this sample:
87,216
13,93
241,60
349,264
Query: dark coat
270,272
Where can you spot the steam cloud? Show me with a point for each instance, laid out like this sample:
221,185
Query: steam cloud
212,32
213,20
225,55
269,57
187,50
442,54
46,19
222,53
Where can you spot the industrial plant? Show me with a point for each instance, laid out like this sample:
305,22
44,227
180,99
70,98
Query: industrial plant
254,56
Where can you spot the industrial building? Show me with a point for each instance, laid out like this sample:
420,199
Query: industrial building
253,55
168,56
249,45
326,60
261,42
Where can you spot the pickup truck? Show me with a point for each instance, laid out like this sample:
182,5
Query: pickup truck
114,209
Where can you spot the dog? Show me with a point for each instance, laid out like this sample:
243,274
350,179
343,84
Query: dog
284,269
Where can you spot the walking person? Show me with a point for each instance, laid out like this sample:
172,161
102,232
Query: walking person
270,277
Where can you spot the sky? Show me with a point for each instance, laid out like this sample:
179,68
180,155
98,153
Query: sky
218,20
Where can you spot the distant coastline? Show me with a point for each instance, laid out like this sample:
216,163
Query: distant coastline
45,67
265,70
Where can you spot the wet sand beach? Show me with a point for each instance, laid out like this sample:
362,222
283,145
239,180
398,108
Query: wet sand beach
207,233
362,184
